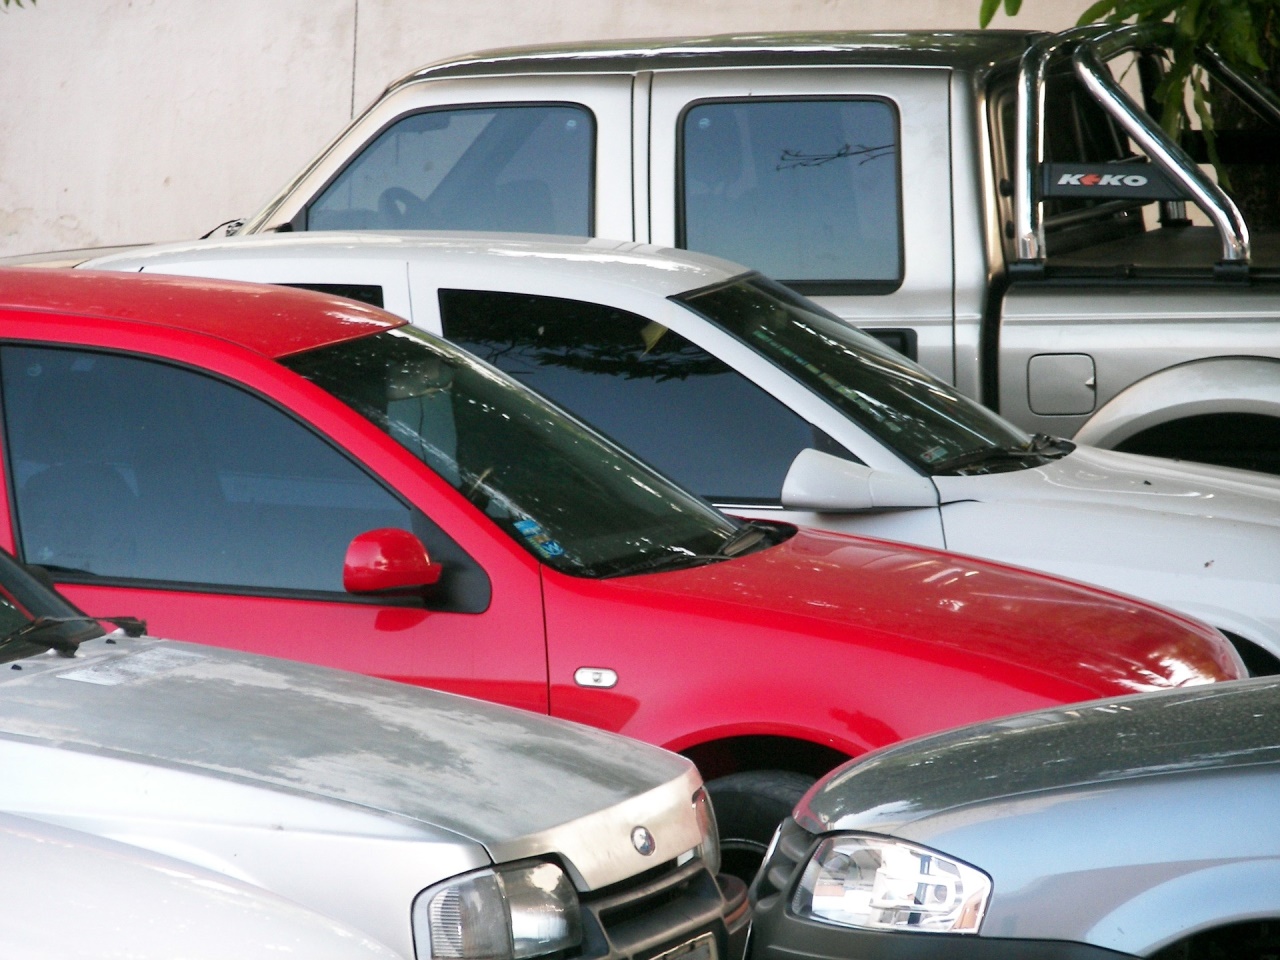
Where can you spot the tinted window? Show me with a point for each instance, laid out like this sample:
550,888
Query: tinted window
801,190
569,497
925,420
661,396
525,169
126,468
369,293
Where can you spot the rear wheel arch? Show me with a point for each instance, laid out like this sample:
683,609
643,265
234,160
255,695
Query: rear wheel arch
1247,441
1224,410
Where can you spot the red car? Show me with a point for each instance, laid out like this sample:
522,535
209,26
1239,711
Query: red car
261,468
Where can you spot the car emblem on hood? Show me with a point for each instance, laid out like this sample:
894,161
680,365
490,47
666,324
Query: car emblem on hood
643,841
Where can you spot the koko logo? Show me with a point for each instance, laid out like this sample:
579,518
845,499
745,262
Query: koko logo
1122,181
1102,180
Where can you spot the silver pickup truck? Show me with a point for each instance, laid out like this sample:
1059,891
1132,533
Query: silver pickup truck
993,204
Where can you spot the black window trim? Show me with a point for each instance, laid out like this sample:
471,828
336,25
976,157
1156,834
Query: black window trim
417,517
812,288
299,222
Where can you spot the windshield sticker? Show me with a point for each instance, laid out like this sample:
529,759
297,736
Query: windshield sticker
538,538
133,667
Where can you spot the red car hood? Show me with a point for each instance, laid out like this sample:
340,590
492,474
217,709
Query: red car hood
933,604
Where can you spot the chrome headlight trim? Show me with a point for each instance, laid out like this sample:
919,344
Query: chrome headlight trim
880,883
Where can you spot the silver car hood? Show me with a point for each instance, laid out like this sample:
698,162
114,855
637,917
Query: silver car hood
75,896
1107,478
1203,540
419,761
1089,744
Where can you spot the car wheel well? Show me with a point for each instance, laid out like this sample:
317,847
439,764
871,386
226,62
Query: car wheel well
753,783
719,758
1250,441
1251,940
1259,661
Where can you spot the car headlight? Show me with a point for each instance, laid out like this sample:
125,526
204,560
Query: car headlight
500,914
709,849
882,884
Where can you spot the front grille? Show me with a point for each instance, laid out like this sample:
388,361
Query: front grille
790,853
652,912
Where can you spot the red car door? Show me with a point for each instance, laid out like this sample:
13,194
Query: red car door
219,509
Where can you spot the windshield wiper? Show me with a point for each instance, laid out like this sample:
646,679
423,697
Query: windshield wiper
44,632
744,538
663,561
1050,446
1040,447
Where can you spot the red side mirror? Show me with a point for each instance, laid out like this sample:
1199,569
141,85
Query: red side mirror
388,561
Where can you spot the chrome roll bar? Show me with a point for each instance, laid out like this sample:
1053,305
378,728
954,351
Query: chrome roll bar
1090,47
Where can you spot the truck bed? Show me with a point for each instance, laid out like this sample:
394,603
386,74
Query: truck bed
1182,250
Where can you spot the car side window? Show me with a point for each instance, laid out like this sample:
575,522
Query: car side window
127,468
525,168
643,385
804,190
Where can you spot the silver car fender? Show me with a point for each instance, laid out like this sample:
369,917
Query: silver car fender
1218,385
1215,896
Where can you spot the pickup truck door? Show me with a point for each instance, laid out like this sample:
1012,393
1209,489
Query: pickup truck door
542,154
836,181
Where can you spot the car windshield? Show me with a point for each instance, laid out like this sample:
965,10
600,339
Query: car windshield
34,619
906,407
568,496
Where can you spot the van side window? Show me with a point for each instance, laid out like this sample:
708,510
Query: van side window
804,190
643,385
526,169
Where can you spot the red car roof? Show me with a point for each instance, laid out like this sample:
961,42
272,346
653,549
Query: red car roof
272,321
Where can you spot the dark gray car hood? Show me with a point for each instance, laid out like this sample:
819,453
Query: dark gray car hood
480,770
1178,731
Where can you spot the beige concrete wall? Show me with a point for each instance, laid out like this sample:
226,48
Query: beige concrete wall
136,120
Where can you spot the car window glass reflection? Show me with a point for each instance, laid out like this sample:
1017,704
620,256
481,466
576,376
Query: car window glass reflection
523,168
570,498
659,395
913,412
803,190
128,468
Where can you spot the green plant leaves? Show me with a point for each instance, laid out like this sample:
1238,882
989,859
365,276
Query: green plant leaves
1245,33
989,8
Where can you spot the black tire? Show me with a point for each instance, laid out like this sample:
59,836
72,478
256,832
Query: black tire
749,806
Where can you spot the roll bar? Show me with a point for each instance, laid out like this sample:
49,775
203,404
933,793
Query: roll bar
1089,48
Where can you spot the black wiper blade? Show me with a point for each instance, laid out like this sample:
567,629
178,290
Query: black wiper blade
976,458
1040,447
1049,446
664,561
43,632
